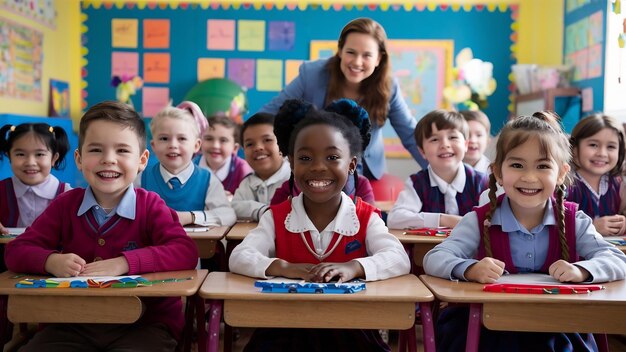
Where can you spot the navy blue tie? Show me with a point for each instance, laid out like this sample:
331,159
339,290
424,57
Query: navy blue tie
175,182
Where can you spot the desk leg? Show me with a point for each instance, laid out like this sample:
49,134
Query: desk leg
473,328
215,316
428,327
6,327
200,321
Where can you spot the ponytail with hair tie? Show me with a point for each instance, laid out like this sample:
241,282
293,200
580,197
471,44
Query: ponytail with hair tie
356,114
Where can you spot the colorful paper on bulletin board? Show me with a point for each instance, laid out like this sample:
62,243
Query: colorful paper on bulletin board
221,35
124,33
210,68
570,39
21,60
582,34
156,67
251,35
292,69
154,100
269,75
422,68
41,11
594,58
59,104
124,64
156,34
581,63
242,72
596,28
282,35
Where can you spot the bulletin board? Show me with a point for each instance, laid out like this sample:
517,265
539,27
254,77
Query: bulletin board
261,46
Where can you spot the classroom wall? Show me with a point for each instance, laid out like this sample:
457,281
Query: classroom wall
61,59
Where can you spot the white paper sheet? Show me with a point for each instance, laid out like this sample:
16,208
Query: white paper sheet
532,278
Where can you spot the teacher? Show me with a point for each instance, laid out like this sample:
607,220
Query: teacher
360,71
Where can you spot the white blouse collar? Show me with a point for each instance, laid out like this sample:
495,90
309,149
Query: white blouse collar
345,223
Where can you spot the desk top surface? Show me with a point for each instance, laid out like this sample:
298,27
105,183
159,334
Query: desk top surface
240,230
213,233
416,238
168,289
472,292
406,288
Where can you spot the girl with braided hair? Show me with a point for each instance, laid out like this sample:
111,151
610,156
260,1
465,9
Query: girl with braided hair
530,228
321,234
358,185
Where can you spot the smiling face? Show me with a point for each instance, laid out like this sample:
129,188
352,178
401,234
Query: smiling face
597,154
261,150
529,178
477,142
321,164
218,144
444,150
359,57
110,159
31,160
174,143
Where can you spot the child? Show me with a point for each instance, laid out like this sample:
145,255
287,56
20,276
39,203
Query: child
356,186
598,149
321,234
447,189
479,127
188,189
524,230
33,150
220,143
255,192
110,228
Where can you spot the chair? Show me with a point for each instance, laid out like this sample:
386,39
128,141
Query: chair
387,188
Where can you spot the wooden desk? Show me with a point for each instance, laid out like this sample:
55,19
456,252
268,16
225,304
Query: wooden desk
385,206
240,230
91,305
207,240
598,312
416,246
387,304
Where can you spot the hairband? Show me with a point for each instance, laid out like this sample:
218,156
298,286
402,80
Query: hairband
13,128
51,129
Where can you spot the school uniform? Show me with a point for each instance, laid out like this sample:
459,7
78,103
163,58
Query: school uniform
482,165
363,191
254,195
525,251
356,233
230,174
606,201
426,196
21,204
141,228
195,192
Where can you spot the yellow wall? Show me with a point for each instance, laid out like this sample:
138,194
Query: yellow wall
61,59
540,30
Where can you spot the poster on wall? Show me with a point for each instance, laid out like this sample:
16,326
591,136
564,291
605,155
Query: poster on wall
422,68
21,59
41,11
59,100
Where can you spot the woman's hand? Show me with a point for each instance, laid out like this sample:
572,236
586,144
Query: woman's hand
486,271
325,272
64,265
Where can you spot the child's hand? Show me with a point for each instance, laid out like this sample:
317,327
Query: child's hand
447,220
109,267
325,272
567,272
611,225
64,265
3,230
184,217
486,271
283,268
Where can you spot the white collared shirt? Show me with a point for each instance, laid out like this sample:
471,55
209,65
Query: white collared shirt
253,196
33,200
222,172
483,164
407,210
387,258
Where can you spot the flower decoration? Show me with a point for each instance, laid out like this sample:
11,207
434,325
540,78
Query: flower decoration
126,87
237,108
473,81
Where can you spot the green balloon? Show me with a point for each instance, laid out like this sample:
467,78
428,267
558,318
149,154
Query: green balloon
219,95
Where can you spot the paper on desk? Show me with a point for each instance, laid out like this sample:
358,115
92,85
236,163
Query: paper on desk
14,231
531,278
616,240
284,280
196,229
94,278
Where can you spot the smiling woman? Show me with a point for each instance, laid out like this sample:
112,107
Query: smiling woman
360,71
